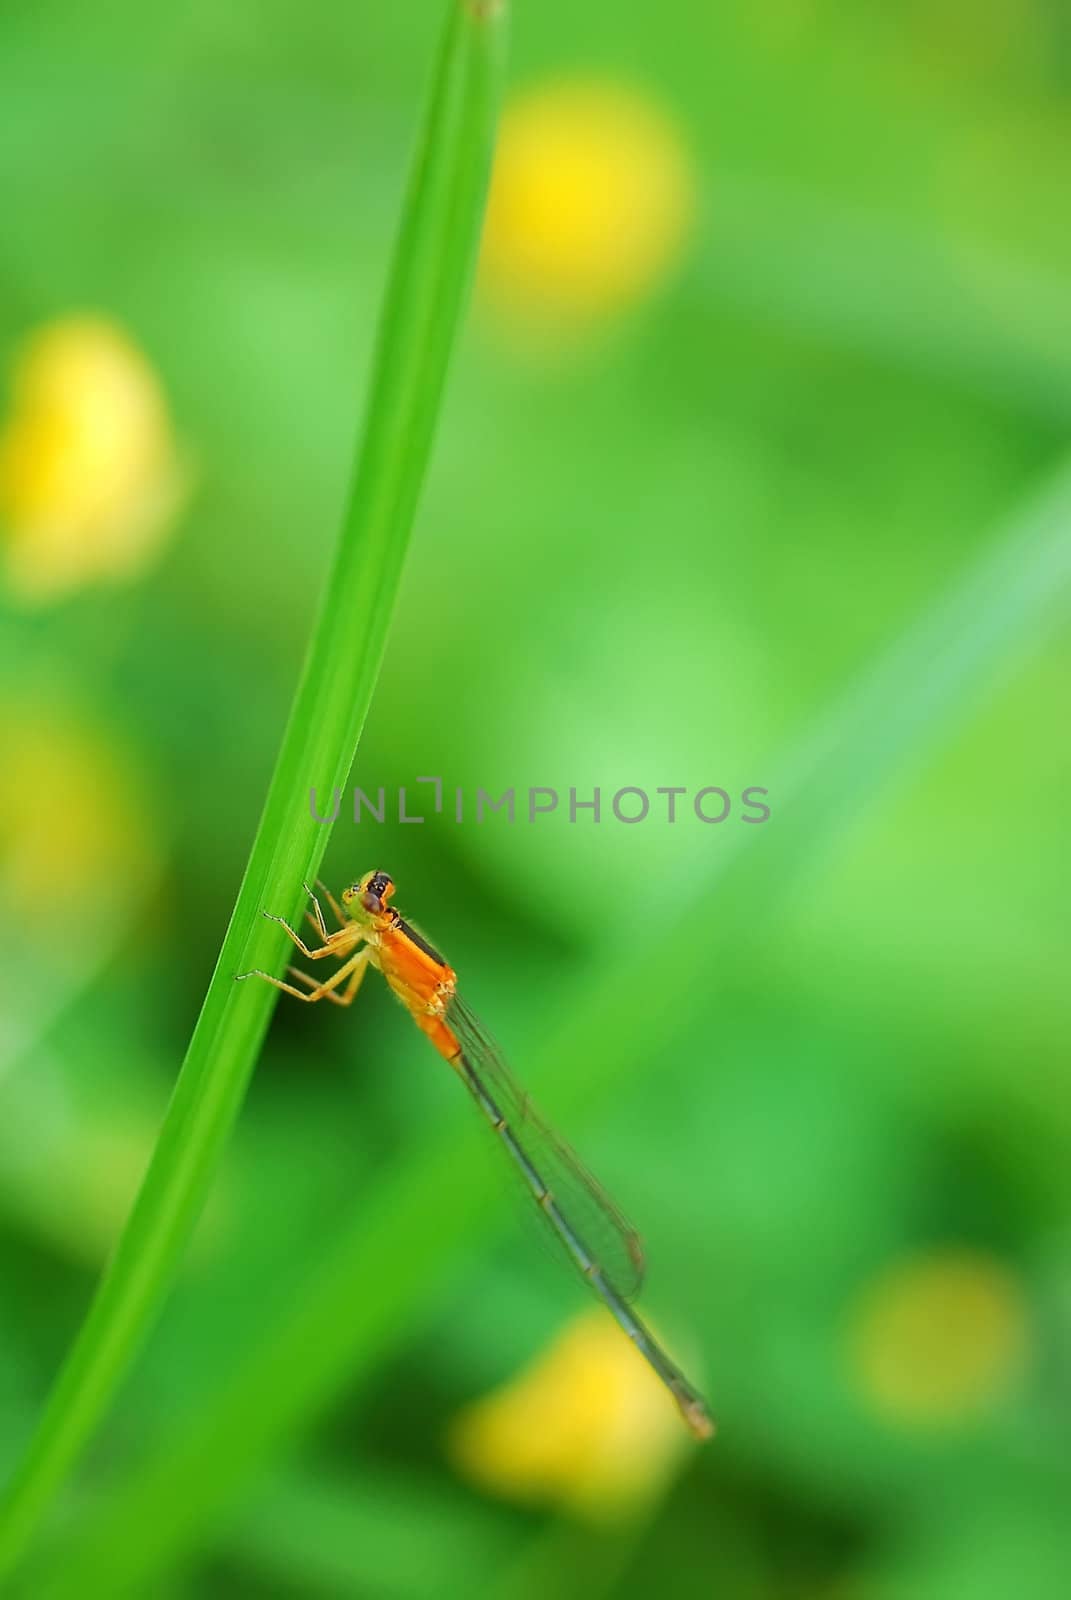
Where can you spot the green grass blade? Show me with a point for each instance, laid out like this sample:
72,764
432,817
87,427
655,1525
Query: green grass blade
388,1253
429,276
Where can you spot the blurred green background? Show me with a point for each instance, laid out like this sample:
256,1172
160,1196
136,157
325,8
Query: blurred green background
770,347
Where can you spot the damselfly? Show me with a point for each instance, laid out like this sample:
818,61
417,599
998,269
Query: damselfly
598,1241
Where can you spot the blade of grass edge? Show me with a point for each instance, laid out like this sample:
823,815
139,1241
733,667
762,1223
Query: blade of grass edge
364,1285
430,272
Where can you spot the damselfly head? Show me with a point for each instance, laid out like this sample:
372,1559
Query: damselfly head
371,893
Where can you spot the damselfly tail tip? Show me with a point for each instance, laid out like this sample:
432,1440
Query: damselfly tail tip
698,1418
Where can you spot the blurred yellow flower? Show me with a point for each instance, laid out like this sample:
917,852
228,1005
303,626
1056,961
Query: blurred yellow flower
592,202
587,1426
89,477
75,825
937,1339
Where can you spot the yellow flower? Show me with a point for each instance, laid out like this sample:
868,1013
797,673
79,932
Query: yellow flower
592,201
587,1427
75,824
89,479
936,1340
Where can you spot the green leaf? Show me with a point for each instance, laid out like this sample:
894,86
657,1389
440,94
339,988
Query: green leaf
430,273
